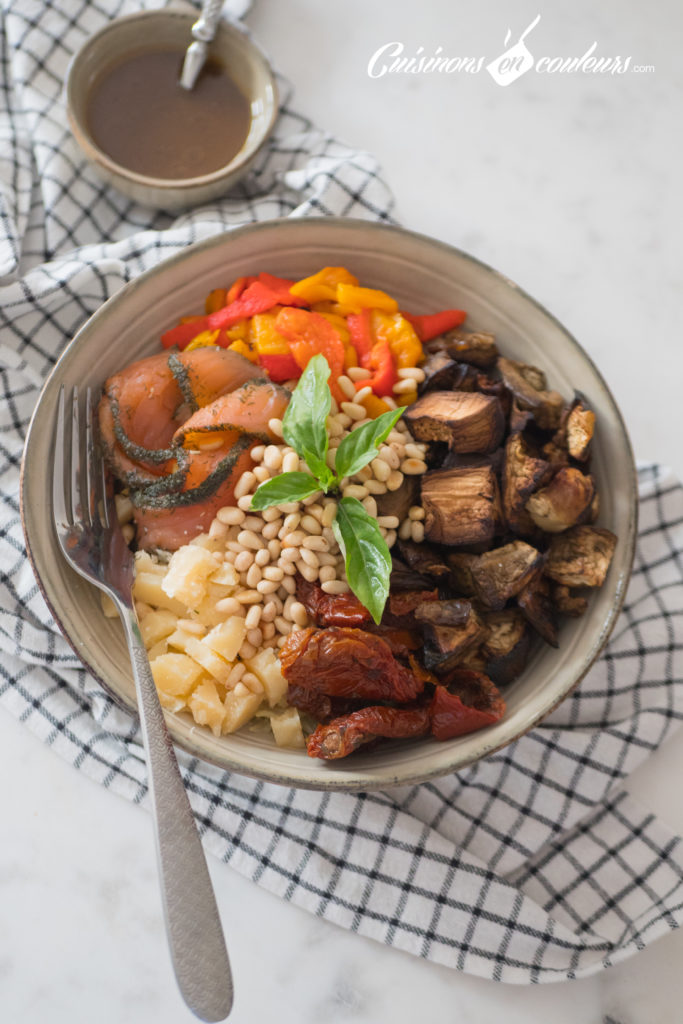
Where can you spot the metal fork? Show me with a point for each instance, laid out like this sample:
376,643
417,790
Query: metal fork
92,542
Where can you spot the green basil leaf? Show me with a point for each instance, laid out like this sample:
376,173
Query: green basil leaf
304,425
367,557
360,446
284,488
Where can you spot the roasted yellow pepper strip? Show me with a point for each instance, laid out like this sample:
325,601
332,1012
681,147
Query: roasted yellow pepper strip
406,347
265,339
322,286
205,339
215,300
351,299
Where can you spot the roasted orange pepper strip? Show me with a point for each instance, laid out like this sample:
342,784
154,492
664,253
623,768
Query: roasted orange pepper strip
309,334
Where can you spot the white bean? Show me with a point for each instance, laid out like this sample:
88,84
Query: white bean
245,484
315,544
355,411
254,575
275,426
253,616
376,486
363,393
299,614
416,512
358,491
248,539
335,587
288,584
370,505
262,557
326,573
230,516
254,637
257,452
311,525
290,463
261,473
246,652
307,571
217,530
248,597
405,529
236,673
243,560
272,457
271,530
389,522
269,611
414,373
413,467
244,502
309,557
347,386
274,549
414,451
358,373
267,587
395,480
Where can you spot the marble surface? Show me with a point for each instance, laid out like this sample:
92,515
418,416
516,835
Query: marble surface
569,184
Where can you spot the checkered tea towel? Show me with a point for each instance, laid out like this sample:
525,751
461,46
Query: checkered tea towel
533,865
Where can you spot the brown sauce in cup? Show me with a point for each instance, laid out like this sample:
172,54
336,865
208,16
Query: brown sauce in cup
139,115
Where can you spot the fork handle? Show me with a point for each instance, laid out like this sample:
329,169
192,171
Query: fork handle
193,927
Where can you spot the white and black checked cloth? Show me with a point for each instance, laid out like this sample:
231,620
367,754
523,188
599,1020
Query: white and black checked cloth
533,865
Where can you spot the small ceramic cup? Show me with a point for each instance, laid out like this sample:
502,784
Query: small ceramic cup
170,29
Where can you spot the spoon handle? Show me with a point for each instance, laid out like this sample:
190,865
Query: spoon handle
203,31
193,926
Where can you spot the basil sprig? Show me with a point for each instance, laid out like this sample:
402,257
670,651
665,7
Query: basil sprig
304,428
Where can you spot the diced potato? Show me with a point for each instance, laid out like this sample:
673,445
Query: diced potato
226,576
108,606
227,637
239,708
156,625
266,666
207,614
175,674
199,652
147,588
287,729
207,707
158,649
145,563
171,703
209,543
188,574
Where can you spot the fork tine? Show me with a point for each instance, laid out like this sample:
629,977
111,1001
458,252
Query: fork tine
60,511
75,467
98,491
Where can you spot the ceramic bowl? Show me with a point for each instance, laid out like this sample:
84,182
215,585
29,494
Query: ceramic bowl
424,275
171,30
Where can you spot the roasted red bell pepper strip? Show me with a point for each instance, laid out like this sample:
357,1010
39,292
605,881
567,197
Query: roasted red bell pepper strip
434,324
183,334
343,735
361,335
237,287
451,716
280,366
384,376
258,297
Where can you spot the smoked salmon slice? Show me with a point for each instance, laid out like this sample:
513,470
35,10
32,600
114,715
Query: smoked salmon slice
169,521
248,409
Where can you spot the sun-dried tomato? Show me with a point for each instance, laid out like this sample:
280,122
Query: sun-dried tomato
330,609
345,734
343,662
469,702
